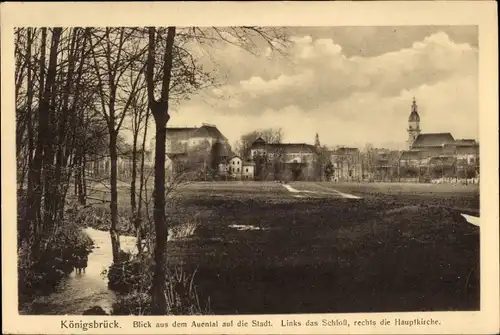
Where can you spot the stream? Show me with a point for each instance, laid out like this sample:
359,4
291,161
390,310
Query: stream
79,292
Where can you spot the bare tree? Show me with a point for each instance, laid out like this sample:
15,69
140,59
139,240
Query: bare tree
244,37
269,135
140,123
160,111
114,52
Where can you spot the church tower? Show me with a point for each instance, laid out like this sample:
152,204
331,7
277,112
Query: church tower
413,124
316,141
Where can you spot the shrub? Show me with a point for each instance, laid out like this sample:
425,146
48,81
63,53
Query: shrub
41,268
180,292
130,274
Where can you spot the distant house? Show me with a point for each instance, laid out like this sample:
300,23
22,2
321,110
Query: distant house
288,161
346,164
248,170
383,164
236,168
235,165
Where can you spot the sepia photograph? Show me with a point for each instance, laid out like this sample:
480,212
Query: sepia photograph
232,170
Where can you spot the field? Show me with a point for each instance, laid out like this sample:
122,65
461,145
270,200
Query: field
323,247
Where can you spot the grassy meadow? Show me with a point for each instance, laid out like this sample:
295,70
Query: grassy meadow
260,248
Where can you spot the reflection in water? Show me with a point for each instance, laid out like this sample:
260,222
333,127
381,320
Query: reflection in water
79,292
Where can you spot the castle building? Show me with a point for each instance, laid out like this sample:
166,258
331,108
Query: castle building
193,148
437,155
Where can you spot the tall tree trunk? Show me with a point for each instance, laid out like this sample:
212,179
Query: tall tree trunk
83,198
34,191
61,160
138,219
160,253
47,105
133,203
161,116
24,224
115,241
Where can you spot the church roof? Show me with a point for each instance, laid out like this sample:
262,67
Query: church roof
414,113
433,140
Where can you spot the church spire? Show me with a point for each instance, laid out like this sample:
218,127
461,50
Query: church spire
316,142
413,124
414,106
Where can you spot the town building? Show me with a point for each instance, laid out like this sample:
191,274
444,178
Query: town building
436,155
284,161
236,168
195,150
347,164
380,164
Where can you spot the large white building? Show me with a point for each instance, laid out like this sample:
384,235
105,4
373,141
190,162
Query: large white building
187,142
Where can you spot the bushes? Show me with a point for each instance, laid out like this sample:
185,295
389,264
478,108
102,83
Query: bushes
130,273
42,268
100,218
134,276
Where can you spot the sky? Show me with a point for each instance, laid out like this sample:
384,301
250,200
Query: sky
351,85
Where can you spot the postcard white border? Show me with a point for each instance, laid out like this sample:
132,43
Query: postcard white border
480,13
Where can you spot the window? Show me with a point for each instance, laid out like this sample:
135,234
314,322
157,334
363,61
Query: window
238,170
233,162
246,170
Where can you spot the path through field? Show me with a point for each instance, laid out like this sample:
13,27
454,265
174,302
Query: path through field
329,191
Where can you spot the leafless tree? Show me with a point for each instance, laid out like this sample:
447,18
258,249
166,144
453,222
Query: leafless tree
244,37
115,51
269,135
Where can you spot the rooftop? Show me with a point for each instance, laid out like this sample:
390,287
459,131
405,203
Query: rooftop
433,140
283,147
206,130
465,142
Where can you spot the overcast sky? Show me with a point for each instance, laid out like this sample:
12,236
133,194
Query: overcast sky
352,85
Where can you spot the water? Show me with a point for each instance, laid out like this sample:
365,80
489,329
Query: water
474,220
79,292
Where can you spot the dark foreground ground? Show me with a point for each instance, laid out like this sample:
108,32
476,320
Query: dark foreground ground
399,248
